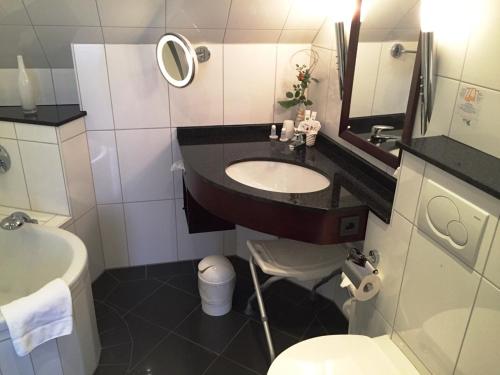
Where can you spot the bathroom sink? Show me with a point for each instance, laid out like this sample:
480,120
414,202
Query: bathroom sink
276,176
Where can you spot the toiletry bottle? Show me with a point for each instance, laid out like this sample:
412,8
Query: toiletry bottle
25,88
273,134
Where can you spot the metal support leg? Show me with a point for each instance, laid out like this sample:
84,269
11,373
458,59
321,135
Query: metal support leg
263,315
263,288
323,281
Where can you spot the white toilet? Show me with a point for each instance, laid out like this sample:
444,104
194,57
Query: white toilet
343,355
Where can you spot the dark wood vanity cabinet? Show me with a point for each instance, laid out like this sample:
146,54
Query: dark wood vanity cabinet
198,219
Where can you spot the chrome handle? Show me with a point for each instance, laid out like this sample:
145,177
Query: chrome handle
377,129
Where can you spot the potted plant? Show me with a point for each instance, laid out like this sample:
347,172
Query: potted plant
298,97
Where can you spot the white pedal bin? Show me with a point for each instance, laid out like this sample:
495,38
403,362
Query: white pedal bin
216,280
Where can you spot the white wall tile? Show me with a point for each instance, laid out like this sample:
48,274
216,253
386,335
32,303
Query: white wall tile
244,76
392,242
368,321
306,14
198,245
480,348
479,130
493,265
286,76
318,91
435,303
331,122
138,90
131,13
71,129
114,239
325,36
46,360
197,14
87,228
229,242
145,158
36,133
132,35
483,52
65,87
41,80
92,78
7,130
151,232
104,161
297,36
44,177
409,184
244,36
191,106
79,181
13,191
451,49
258,14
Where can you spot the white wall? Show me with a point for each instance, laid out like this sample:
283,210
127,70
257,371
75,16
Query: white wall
444,314
51,86
133,116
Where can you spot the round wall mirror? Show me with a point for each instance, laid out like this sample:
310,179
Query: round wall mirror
177,59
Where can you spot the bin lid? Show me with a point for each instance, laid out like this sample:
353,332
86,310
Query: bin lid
215,269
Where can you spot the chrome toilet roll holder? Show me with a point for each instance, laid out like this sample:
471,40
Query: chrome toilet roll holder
358,257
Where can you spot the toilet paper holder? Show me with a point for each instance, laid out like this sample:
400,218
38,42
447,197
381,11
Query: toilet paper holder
358,257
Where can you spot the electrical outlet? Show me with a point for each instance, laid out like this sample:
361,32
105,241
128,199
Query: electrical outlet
349,226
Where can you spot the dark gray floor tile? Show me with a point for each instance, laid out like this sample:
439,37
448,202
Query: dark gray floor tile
165,271
110,322
145,336
212,332
285,316
188,283
167,307
314,330
249,347
129,293
111,370
129,273
223,366
115,355
175,356
103,286
242,291
289,290
115,337
333,320
242,269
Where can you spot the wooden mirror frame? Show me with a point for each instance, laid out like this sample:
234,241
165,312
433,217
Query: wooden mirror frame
411,108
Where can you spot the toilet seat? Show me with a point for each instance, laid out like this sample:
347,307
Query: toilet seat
343,355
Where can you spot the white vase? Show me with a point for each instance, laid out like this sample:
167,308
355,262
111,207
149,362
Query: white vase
25,87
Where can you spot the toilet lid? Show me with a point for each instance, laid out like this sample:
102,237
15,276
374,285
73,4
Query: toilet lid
334,355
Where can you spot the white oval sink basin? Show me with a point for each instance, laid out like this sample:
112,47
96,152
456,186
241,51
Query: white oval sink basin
276,176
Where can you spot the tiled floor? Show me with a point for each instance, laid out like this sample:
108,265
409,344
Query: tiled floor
150,322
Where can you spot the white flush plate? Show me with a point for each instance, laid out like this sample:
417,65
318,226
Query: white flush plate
450,220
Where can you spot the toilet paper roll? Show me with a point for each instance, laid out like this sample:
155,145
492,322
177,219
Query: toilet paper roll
362,282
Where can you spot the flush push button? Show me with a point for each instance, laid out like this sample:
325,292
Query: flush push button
457,232
450,220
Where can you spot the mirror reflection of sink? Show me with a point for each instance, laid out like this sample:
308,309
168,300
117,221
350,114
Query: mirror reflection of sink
277,176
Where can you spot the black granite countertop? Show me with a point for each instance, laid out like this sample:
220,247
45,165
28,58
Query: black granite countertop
48,115
209,150
478,168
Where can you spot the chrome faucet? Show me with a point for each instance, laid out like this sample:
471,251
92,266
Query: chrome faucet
16,220
297,141
378,137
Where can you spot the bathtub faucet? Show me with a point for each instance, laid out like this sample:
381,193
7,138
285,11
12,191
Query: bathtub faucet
16,221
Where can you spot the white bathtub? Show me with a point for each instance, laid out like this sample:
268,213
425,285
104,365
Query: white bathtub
30,257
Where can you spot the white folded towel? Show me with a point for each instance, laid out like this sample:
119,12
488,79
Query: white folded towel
39,317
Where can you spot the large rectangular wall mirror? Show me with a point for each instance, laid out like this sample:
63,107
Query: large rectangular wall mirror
382,77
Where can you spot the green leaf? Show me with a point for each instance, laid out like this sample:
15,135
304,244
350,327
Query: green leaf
308,103
288,103
289,94
302,97
315,80
297,94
